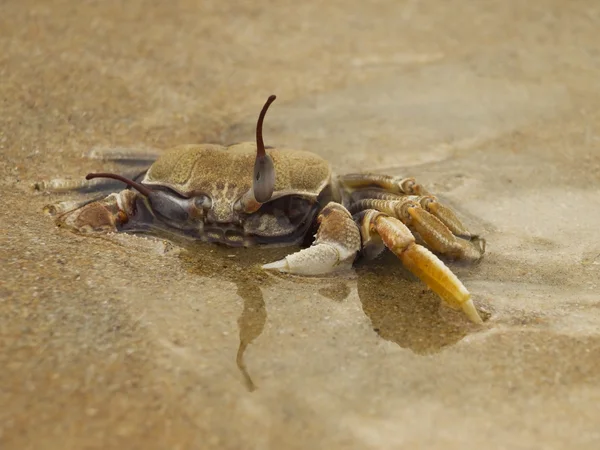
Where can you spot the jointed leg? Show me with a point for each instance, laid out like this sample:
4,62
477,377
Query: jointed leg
431,229
124,154
62,185
336,245
104,215
428,202
420,261
446,216
59,208
396,185
359,184
130,156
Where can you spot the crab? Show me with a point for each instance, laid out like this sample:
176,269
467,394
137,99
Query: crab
247,194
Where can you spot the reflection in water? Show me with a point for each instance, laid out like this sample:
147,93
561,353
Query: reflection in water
336,291
242,267
251,324
402,310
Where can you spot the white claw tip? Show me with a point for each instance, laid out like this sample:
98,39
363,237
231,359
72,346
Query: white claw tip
280,265
469,309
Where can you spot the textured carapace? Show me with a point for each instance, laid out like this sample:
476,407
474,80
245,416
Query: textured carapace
210,169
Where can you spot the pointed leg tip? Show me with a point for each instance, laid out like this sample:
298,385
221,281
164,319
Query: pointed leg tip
469,309
280,265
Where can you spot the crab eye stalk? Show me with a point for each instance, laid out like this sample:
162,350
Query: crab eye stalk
263,182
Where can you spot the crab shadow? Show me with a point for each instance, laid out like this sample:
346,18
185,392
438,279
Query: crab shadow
251,324
404,311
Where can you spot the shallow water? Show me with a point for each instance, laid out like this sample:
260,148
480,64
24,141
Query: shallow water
125,341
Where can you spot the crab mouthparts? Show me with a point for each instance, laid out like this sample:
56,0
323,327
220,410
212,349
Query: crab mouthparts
231,235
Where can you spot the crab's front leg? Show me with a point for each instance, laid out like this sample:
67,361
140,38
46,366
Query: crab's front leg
335,247
103,215
420,261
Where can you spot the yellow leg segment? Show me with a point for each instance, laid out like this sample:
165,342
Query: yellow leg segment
421,262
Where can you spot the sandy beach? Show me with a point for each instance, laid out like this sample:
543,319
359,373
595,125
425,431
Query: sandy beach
124,341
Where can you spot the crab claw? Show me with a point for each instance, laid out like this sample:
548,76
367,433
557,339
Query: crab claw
336,245
318,259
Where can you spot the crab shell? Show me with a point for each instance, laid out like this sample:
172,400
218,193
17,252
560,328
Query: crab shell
224,175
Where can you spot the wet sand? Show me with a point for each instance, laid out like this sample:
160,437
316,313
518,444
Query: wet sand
127,342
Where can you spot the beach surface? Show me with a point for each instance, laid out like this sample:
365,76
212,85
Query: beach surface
124,341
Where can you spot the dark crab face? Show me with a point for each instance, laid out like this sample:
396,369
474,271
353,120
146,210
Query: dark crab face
239,195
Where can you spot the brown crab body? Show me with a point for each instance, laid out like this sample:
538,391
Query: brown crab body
222,176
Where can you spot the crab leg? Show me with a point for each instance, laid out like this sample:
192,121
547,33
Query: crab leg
62,185
106,214
398,185
429,202
432,230
134,155
336,245
446,216
59,208
420,261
